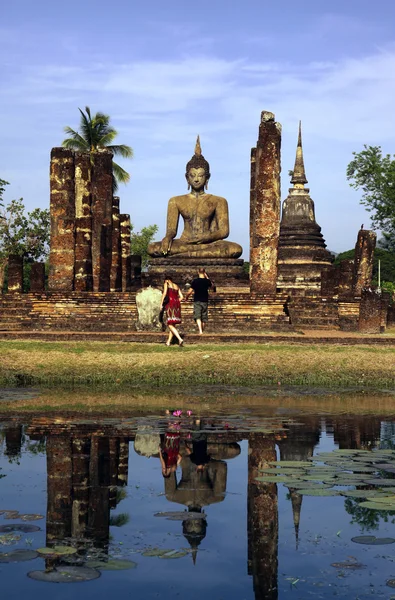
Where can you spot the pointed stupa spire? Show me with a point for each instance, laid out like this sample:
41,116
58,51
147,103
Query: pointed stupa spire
198,149
296,500
299,175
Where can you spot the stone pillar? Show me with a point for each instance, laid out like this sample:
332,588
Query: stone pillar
135,261
371,311
116,256
125,245
15,274
101,190
83,177
62,208
346,274
265,206
83,278
363,261
37,277
262,515
59,487
329,281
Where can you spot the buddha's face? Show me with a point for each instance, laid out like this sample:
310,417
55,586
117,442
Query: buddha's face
197,178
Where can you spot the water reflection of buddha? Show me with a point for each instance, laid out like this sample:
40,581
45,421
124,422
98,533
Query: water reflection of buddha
206,219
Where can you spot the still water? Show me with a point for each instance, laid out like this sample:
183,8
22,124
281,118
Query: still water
207,526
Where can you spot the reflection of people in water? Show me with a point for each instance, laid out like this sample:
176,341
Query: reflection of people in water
169,450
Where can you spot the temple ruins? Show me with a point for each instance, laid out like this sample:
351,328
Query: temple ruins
292,283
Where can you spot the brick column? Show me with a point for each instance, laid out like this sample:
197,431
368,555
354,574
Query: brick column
62,208
346,274
329,281
83,279
125,245
15,274
83,177
37,277
116,256
363,261
265,206
101,189
370,312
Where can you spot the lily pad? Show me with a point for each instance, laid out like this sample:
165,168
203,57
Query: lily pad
180,515
371,540
111,565
360,493
174,554
57,551
154,552
274,479
8,539
390,583
24,528
290,463
307,485
65,574
11,514
372,504
348,565
32,517
318,477
318,492
17,556
380,482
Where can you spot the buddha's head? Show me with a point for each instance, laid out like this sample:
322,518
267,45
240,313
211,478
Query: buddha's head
197,170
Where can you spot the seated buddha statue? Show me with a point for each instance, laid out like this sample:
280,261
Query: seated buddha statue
206,219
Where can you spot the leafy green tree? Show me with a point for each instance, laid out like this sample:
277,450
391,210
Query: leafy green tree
387,263
2,189
24,235
94,135
140,240
375,175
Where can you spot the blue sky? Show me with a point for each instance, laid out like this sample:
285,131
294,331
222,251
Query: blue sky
166,71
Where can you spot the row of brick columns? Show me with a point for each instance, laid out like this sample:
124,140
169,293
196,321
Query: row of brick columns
90,239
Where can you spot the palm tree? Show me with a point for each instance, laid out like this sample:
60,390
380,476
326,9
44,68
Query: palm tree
96,133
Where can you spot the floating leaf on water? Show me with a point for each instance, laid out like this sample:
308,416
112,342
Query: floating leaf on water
361,493
57,551
174,554
371,540
348,565
32,517
65,574
9,538
111,565
380,482
318,492
11,514
290,463
362,469
307,485
372,504
17,556
318,477
284,471
154,552
274,479
390,583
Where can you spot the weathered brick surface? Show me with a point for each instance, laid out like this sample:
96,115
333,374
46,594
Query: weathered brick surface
124,221
363,262
83,279
37,277
329,281
82,182
135,265
101,189
371,312
15,274
62,208
265,206
116,256
346,275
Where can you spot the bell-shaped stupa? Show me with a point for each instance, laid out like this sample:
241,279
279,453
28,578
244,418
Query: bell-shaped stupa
302,252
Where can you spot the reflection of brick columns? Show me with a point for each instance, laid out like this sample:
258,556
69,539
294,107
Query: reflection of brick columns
37,277
62,208
59,487
101,189
262,519
123,462
99,507
114,460
15,274
81,488
363,262
125,244
265,202
116,256
345,278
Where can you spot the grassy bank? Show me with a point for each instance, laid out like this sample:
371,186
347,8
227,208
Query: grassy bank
115,365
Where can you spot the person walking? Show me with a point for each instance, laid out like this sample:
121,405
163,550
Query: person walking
200,287
170,302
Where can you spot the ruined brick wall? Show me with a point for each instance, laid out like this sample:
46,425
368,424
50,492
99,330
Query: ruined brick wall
265,204
363,261
15,274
